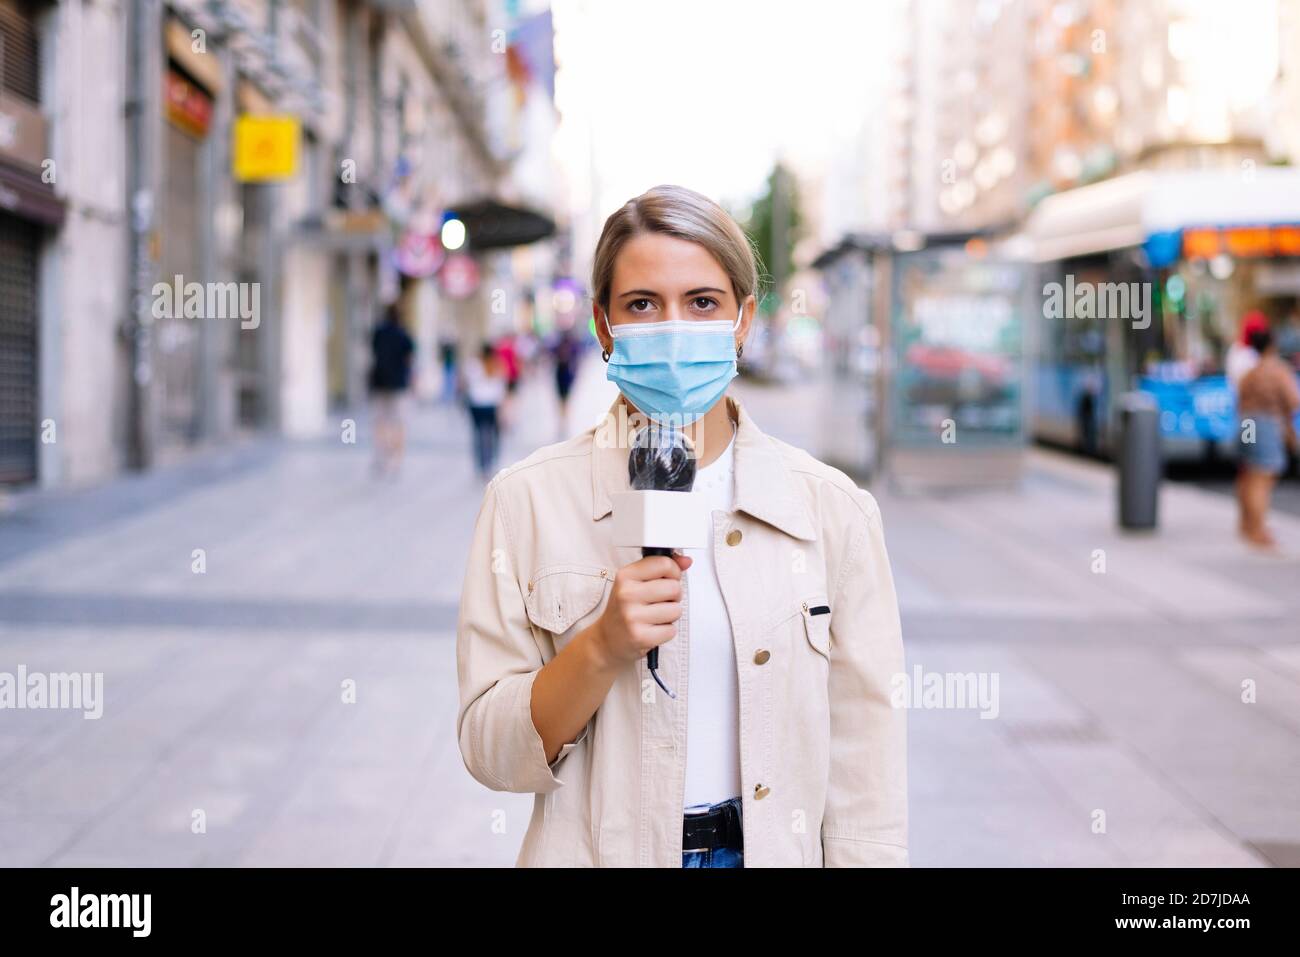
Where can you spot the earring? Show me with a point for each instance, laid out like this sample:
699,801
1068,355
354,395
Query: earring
740,350
604,354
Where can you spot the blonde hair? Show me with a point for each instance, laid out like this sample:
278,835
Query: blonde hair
685,214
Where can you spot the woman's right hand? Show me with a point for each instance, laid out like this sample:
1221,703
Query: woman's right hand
644,605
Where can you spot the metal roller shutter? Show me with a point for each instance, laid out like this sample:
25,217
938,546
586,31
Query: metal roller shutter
176,338
18,246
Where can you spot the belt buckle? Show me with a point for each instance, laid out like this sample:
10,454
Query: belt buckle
706,811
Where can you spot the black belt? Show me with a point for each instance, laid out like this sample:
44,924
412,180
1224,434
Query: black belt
719,827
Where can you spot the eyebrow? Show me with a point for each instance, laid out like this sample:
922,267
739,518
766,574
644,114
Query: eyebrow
651,292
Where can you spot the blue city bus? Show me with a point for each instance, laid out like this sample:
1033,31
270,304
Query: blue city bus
1144,280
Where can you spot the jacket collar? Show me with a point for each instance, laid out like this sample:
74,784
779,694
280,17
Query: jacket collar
765,488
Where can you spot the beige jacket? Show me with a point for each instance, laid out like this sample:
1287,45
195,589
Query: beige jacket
823,753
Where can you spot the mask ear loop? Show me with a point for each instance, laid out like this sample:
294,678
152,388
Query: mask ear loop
739,316
604,353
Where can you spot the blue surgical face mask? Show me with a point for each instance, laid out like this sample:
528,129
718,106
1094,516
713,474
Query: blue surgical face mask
675,369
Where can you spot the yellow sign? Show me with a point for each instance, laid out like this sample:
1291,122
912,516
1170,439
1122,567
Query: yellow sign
266,148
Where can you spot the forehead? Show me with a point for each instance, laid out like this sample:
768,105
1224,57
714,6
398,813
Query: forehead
664,263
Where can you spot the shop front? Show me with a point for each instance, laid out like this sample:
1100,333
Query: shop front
188,104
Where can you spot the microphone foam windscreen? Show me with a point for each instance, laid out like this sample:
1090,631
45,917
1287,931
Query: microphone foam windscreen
662,459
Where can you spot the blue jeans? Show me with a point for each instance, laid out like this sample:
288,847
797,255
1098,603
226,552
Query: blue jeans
487,436
722,857
719,857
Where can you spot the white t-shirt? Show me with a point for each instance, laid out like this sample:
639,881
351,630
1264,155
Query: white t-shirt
713,695
1240,360
480,388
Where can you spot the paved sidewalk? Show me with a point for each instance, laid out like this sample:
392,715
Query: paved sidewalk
1120,658
1120,692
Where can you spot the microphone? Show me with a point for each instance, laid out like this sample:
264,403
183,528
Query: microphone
662,460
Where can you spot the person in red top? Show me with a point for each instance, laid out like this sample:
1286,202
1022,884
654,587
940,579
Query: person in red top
509,357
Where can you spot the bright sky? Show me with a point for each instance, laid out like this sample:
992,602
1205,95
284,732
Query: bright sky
705,93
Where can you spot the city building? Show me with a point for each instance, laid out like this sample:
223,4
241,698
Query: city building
204,205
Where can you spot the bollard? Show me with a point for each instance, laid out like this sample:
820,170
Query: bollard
1138,459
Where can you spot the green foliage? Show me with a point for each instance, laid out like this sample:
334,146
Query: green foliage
762,229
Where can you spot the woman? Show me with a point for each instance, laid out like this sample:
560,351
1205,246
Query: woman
772,741
485,390
1267,404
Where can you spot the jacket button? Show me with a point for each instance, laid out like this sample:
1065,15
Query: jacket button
761,656
733,537
761,791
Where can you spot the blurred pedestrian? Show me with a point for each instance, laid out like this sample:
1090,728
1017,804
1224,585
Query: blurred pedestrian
526,348
447,355
565,355
485,390
1269,400
391,350
509,355
507,350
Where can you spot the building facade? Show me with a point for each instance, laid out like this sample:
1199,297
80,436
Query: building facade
155,297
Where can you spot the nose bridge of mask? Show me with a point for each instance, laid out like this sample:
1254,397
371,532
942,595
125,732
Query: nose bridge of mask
604,314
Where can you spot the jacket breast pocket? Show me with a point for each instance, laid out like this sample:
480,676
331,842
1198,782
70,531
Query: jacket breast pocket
816,614
563,598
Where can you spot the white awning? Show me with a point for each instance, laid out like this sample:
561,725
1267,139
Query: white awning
1122,212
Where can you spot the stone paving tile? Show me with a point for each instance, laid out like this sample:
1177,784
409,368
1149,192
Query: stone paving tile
222,691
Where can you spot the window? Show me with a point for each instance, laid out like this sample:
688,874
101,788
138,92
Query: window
20,60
